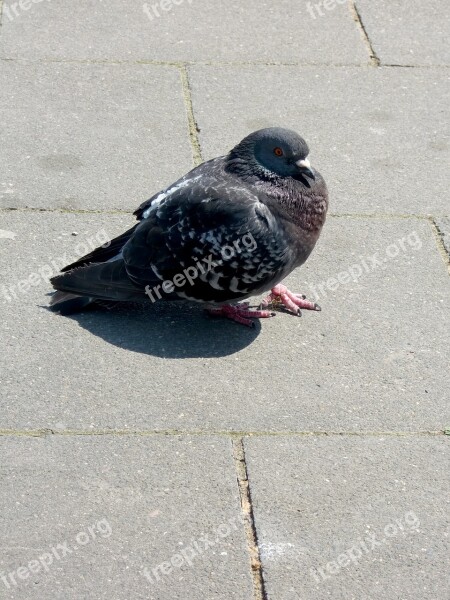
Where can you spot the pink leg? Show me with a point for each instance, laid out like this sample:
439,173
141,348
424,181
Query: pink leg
241,313
293,302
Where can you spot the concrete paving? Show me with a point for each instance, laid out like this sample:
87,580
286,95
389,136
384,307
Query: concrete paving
352,517
183,30
131,436
413,33
90,135
116,517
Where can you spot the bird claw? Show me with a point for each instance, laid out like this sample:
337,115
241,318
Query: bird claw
280,296
240,313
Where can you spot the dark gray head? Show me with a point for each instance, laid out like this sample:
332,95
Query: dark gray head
273,152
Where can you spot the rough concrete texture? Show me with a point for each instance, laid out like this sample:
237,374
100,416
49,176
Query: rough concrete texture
90,136
408,33
351,517
189,30
112,507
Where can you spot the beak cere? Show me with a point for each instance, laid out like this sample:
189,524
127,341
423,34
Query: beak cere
304,167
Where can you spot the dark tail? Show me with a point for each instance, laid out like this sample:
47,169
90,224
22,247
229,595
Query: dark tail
75,279
67,304
105,281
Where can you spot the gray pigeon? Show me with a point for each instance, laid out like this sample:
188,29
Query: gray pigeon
231,228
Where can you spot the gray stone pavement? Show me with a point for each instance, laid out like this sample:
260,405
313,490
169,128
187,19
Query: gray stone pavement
352,517
78,124
304,459
191,30
408,33
115,510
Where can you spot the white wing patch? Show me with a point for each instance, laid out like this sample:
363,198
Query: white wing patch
166,194
213,280
234,286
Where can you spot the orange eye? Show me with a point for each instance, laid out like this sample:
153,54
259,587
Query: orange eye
278,152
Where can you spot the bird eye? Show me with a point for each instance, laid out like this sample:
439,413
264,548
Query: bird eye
278,151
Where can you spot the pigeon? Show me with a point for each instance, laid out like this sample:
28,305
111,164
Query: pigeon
231,228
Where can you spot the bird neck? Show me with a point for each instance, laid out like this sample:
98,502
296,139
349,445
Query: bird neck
305,205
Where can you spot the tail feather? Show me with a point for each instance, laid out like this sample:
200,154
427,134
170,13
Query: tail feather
104,281
66,303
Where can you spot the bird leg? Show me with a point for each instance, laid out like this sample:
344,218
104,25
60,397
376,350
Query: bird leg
293,302
241,313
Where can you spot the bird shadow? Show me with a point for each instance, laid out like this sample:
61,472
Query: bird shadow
167,330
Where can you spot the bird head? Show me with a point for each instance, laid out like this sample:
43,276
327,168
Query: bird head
277,152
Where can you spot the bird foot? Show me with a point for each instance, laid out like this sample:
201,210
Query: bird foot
280,295
240,313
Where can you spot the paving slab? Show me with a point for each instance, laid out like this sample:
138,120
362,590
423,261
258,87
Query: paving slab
90,136
121,517
352,517
408,33
379,136
375,358
183,30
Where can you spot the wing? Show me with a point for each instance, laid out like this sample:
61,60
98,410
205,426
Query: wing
208,170
113,248
208,241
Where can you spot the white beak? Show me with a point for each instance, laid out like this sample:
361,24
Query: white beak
304,167
303,164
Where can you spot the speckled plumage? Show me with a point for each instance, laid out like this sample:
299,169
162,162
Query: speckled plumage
268,212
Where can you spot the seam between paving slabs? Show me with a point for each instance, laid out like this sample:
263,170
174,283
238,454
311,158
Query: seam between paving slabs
259,591
437,233
42,432
374,60
74,211
192,124
214,63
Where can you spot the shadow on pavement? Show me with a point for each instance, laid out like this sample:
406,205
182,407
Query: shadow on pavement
167,330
